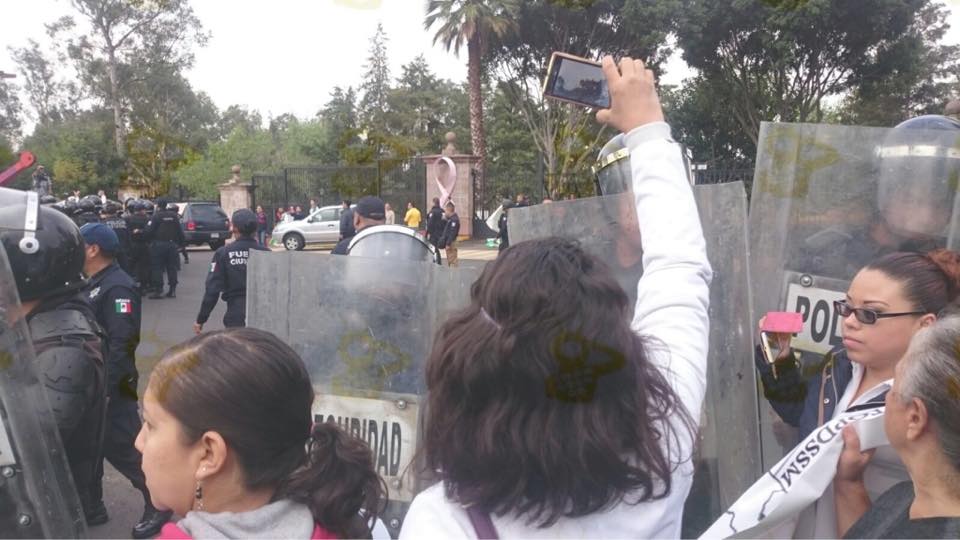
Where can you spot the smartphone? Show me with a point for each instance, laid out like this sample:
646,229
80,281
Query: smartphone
576,80
770,345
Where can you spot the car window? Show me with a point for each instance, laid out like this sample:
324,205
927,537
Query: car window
329,214
206,212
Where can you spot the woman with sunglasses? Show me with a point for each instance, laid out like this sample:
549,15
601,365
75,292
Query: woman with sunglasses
888,302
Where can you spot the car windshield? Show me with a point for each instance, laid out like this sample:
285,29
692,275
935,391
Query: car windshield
207,212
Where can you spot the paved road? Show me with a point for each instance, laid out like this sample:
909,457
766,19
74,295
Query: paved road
166,323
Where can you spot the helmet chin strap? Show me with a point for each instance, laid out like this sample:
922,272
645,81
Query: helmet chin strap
29,244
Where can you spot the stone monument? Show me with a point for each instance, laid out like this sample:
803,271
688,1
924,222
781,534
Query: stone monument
457,181
235,194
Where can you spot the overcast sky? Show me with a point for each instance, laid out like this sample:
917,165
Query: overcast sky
282,56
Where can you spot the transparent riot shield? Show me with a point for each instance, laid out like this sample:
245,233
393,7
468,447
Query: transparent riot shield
364,327
827,200
728,459
37,495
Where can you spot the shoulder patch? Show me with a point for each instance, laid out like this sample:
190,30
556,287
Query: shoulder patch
213,266
123,305
94,293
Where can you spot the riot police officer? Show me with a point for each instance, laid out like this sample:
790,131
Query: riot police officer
88,210
166,237
112,294
46,256
228,273
139,244
112,219
183,247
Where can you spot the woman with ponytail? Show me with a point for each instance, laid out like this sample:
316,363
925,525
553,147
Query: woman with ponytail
229,443
887,303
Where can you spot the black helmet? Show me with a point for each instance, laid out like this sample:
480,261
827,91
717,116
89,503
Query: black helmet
90,203
70,207
44,246
146,205
112,208
171,207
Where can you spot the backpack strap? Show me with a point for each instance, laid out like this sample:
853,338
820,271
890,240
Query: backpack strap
482,524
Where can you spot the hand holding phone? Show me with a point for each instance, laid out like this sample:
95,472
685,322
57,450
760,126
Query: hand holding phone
576,80
776,332
633,95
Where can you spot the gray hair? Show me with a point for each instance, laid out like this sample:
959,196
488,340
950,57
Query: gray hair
932,375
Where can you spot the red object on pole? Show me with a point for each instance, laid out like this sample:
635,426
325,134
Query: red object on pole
26,160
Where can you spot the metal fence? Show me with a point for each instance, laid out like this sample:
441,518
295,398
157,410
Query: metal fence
396,182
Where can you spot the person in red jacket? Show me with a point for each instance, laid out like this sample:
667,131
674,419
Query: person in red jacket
228,442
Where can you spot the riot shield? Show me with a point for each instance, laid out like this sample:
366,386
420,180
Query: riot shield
364,328
828,200
728,461
37,494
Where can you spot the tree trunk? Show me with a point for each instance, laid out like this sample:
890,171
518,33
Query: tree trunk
118,127
475,82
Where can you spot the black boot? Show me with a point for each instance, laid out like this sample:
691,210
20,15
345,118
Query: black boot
151,523
172,293
96,515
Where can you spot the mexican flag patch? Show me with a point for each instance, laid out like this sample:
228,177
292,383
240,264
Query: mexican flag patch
123,305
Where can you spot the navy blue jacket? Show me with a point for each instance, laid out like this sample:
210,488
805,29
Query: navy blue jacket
805,396
116,305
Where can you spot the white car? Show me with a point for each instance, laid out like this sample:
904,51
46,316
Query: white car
322,226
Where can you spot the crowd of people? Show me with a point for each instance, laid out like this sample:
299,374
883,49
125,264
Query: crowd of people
228,442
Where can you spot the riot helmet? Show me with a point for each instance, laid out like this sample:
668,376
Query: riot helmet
112,208
70,207
90,203
919,168
612,171
146,206
391,242
171,207
44,246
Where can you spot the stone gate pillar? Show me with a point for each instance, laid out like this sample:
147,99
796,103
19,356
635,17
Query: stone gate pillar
459,186
235,194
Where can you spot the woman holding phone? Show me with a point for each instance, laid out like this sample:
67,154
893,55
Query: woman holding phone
549,415
887,302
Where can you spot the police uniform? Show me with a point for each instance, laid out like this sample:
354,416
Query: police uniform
112,294
166,238
228,273
448,240
139,248
116,304
119,226
46,257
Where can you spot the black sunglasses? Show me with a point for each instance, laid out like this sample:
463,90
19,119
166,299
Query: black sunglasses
868,316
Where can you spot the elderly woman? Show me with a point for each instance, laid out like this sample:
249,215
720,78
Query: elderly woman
922,421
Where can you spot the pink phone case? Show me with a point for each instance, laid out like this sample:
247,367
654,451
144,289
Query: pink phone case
782,322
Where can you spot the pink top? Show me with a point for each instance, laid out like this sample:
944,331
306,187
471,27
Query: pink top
170,531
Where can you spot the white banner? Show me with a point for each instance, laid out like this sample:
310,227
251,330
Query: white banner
768,508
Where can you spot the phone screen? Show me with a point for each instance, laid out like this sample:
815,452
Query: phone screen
577,81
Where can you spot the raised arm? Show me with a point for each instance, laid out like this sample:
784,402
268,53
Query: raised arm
674,293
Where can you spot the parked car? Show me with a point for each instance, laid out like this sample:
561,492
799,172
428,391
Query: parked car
322,226
204,223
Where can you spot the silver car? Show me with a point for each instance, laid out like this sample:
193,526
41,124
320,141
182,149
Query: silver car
322,226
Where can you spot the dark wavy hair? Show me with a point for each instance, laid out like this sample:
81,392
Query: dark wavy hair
542,402
254,390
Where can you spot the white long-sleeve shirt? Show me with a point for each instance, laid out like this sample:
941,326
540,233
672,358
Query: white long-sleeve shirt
671,310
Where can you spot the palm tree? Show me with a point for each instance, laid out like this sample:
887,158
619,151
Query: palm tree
474,22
